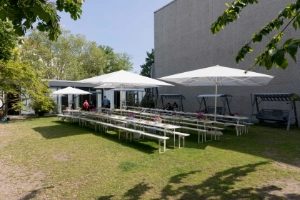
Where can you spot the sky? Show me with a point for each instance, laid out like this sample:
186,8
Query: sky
125,25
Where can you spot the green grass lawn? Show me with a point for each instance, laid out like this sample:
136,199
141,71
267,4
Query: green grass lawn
44,158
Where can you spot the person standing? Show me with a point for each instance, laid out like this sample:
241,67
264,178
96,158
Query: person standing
91,106
73,105
86,105
105,102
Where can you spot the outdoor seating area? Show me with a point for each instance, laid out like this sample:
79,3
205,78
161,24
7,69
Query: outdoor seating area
138,123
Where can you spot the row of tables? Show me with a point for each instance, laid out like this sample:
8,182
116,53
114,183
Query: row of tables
240,123
171,122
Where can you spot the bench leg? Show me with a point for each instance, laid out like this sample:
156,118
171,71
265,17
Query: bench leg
174,140
199,137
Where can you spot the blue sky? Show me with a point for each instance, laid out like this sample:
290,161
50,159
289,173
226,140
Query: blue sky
125,25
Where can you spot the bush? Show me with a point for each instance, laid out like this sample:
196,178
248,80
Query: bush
42,106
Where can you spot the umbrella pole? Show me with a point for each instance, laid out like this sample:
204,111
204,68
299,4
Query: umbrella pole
216,92
215,118
121,106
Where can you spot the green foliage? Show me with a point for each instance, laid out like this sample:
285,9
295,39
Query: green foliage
8,40
24,14
146,68
274,54
43,105
71,57
115,61
19,78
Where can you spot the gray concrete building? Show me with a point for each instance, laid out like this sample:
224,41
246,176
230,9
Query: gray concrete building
183,42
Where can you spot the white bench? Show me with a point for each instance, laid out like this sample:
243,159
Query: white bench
203,126
246,128
70,118
180,135
199,131
238,127
139,132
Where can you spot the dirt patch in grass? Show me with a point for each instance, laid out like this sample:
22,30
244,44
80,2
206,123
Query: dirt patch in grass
285,188
287,167
16,183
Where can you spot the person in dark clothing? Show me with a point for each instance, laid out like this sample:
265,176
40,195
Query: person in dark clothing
175,106
168,107
73,105
91,106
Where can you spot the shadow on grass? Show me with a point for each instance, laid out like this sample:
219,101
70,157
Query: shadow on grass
219,186
263,140
64,129
61,130
141,145
33,193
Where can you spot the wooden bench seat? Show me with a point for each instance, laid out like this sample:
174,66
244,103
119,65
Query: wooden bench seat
238,127
180,135
199,131
138,132
203,126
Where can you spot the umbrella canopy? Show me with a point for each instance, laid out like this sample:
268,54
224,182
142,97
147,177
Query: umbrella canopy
129,89
124,79
70,90
219,76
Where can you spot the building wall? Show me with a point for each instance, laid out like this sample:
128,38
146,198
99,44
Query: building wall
183,41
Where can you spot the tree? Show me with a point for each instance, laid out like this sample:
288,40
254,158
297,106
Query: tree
274,53
146,68
71,57
8,40
20,81
24,14
115,61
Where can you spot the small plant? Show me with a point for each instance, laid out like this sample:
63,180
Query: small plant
157,119
200,116
131,115
42,106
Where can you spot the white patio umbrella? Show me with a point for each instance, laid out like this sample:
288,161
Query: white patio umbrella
70,90
124,79
219,76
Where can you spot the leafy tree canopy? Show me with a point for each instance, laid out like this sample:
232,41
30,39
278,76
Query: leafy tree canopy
19,78
274,53
8,40
71,57
115,61
146,68
24,14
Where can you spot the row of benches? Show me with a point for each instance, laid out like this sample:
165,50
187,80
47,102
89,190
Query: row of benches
134,133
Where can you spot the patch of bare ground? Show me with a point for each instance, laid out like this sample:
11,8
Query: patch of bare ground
282,189
17,183
285,188
61,157
287,167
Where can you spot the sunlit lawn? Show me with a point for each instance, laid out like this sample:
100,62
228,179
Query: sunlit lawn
44,158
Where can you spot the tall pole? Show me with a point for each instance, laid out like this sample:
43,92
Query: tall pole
216,92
